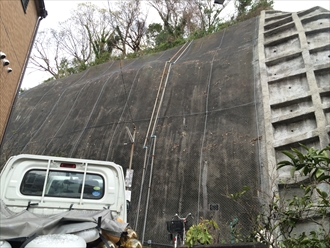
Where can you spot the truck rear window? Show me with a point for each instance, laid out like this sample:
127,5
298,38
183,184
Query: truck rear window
63,184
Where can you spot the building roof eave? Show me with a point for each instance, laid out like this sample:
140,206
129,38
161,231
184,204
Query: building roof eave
41,9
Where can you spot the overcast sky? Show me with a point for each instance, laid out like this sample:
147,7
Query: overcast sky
59,10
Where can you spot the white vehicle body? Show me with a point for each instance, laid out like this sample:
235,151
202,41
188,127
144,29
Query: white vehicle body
47,185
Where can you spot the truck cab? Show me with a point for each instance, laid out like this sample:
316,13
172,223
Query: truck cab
50,186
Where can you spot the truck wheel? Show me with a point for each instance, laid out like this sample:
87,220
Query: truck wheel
57,241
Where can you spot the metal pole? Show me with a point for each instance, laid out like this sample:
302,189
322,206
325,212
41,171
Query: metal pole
141,188
132,149
149,187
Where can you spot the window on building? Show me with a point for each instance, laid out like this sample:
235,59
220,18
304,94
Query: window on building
25,4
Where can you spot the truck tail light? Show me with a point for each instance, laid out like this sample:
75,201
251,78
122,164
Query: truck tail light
65,165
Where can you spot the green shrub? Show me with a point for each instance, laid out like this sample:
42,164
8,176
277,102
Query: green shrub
201,233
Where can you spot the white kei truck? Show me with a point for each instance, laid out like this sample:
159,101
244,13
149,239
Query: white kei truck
48,201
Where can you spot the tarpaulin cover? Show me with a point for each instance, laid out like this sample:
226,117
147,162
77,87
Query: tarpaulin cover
25,224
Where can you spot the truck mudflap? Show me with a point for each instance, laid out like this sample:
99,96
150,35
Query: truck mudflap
26,224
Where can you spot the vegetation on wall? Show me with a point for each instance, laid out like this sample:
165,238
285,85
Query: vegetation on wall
94,35
204,233
280,222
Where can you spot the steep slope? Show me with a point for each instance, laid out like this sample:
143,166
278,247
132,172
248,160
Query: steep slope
201,119
206,132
